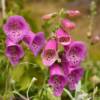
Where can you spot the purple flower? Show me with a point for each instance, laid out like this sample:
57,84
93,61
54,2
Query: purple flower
14,52
73,77
57,79
63,37
76,53
35,41
38,43
15,28
49,54
67,24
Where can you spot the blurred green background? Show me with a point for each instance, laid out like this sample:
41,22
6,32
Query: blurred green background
33,10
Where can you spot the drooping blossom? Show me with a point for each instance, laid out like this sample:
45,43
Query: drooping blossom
73,13
76,53
15,28
67,25
74,76
35,41
14,52
63,37
49,54
57,79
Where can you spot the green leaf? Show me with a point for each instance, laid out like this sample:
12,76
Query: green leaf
17,72
24,82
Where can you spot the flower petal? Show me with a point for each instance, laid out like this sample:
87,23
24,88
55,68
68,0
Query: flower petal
57,79
37,43
49,54
15,28
63,37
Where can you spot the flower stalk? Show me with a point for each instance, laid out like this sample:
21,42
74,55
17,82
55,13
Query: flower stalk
32,81
69,94
3,4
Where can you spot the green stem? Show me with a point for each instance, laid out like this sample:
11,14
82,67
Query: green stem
86,79
7,72
69,94
7,81
24,98
3,4
32,81
17,93
28,63
44,85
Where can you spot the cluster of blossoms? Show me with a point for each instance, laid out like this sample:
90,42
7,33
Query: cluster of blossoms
63,64
17,30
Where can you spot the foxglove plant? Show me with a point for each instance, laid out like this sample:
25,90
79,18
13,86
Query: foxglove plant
60,53
71,57
18,30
